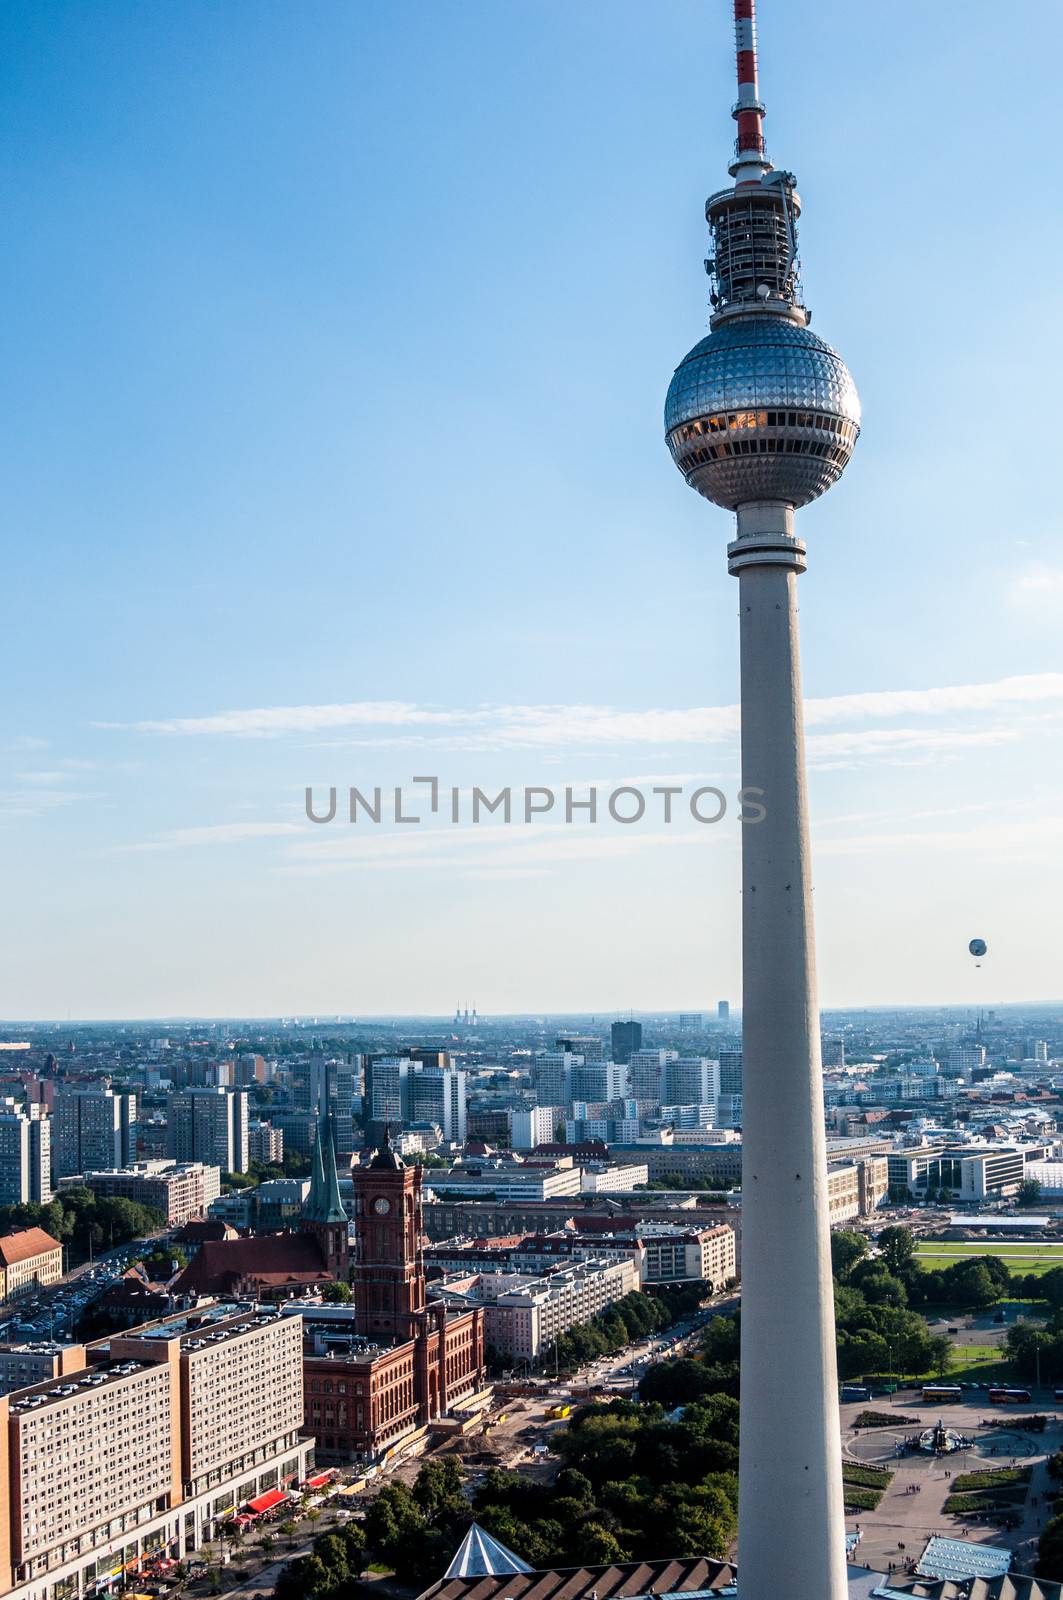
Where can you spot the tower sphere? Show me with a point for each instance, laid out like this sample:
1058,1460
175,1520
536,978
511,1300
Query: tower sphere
761,409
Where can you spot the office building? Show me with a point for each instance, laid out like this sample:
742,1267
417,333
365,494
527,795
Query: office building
674,1254
95,1129
387,1095
587,1045
723,1011
208,1125
625,1039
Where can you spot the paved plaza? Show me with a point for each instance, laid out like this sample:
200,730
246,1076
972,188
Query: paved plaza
912,1508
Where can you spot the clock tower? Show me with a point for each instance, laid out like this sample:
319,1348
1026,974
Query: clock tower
388,1274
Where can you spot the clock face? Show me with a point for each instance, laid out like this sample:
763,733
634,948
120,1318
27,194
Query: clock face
381,1205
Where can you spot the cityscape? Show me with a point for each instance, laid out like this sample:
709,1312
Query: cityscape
363,685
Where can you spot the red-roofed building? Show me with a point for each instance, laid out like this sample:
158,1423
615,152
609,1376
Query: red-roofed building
29,1259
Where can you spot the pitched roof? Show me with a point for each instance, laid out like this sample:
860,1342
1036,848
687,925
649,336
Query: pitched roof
629,1578
27,1242
268,1258
479,1555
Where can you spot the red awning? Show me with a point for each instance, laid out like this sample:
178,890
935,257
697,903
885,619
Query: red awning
318,1480
266,1502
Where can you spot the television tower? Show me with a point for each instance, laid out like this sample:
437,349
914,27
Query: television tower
761,418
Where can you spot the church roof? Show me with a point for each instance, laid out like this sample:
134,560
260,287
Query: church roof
480,1556
268,1258
323,1203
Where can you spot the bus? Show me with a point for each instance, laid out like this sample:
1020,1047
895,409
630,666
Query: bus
1010,1397
855,1391
947,1392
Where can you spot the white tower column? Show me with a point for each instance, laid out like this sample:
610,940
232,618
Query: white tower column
791,1511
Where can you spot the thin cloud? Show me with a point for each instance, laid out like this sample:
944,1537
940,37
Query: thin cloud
532,726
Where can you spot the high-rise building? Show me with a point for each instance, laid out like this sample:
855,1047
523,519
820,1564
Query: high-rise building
25,1155
552,1077
690,1080
208,1125
626,1037
691,1022
94,1129
723,1011
832,1051
761,418
645,1071
731,1070
437,1094
387,1094
599,1081
587,1045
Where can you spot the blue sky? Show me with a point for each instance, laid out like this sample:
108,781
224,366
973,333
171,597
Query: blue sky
335,346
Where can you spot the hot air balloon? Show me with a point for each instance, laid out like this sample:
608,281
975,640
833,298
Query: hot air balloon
978,948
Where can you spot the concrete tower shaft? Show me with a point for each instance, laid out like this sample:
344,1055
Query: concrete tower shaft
791,1534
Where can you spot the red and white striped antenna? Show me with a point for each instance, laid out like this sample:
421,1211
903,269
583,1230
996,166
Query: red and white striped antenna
751,159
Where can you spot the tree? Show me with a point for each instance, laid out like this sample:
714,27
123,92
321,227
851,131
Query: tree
340,1292
897,1245
942,1355
846,1249
1029,1192
1050,1551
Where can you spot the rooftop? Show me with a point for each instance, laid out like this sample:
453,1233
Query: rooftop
28,1242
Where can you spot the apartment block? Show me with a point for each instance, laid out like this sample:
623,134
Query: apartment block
95,1130
208,1125
523,1315
25,1154
24,1364
678,1255
147,1448
181,1191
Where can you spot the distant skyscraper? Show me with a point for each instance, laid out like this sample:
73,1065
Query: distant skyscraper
833,1052
626,1039
95,1131
208,1125
691,1022
552,1077
723,1011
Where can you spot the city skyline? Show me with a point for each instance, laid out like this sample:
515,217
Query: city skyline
202,571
